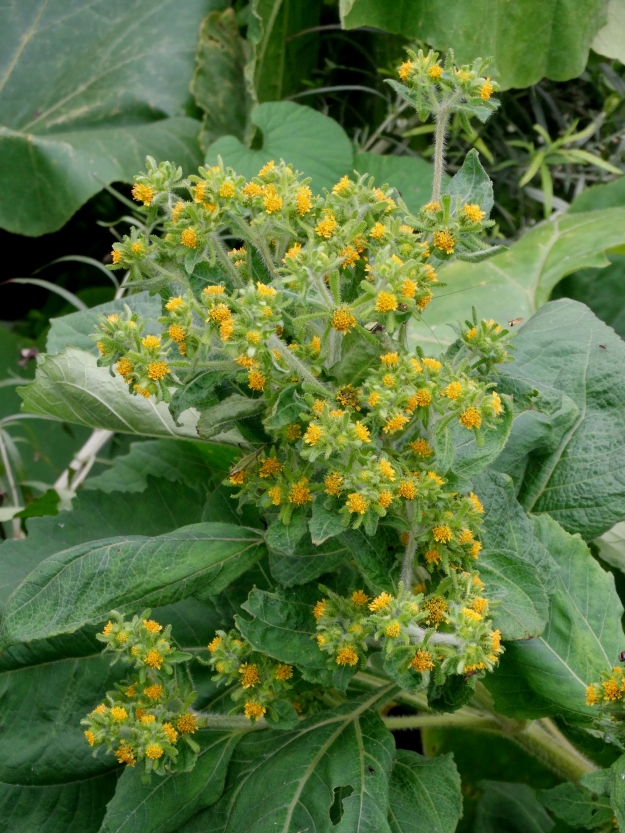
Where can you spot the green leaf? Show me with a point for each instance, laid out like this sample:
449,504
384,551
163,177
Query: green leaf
410,175
221,417
510,807
291,777
565,348
357,358
519,38
84,101
308,562
517,282
472,184
515,565
282,57
198,393
82,584
608,195
162,508
325,523
71,387
599,289
294,133
611,546
73,330
284,539
608,41
577,806
285,629
617,789
549,674
218,84
375,556
196,464
424,795
167,802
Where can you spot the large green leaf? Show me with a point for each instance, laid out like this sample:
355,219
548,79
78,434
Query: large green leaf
411,176
80,585
515,565
566,350
512,808
71,387
601,290
520,37
73,330
287,781
549,674
166,803
609,40
86,92
296,134
284,629
424,795
516,283
196,464
577,806
162,508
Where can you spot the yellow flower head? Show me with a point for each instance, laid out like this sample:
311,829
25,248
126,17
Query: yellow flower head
320,608
611,690
390,359
452,391
151,342
143,193
252,190
303,201
151,626
435,71
471,418
476,503
275,495
487,90
226,190
475,549
343,320
408,289
465,537
266,168
116,256
154,751
284,672
157,371
386,302
313,434
497,403
421,399
125,754
341,185
444,241
359,598
249,675
356,503
119,713
327,226
172,734
381,601
349,255
395,423
387,469
187,724
421,448
393,630
300,494
256,380
293,432
189,238
473,212
432,556
407,490
362,432
442,534
269,467
254,711
333,483
154,691
272,201
347,656
591,696
404,70
90,738
216,289
154,659
437,608
496,641
377,231
148,718
385,498
422,661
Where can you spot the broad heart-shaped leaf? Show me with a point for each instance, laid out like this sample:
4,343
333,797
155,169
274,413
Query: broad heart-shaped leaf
515,565
549,674
577,806
83,101
80,585
510,807
73,330
49,779
516,283
196,464
471,184
222,416
162,508
411,176
285,629
218,84
520,38
581,482
166,803
294,133
424,794
72,388
286,780
599,289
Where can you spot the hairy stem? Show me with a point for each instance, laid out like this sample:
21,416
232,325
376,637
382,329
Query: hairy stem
16,523
442,119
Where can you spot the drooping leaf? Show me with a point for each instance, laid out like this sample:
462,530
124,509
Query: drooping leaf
283,52
577,806
163,507
163,805
285,629
565,348
84,101
294,133
510,807
196,464
73,330
519,38
548,674
517,282
221,417
515,565
286,780
218,84
71,387
424,795
471,184
411,176
80,585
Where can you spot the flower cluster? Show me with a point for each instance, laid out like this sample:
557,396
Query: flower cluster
438,631
263,687
607,695
148,717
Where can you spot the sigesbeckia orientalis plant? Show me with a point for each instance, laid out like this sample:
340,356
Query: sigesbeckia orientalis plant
384,528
